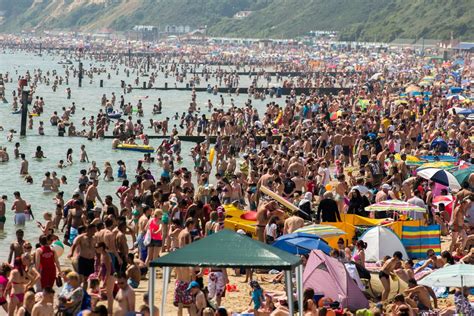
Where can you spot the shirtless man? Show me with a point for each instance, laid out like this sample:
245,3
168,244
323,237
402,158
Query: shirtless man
184,237
346,142
433,260
388,268
418,296
84,244
3,209
16,247
141,232
264,212
91,195
133,272
125,298
45,306
264,180
182,298
199,301
108,236
19,206
299,182
23,165
121,242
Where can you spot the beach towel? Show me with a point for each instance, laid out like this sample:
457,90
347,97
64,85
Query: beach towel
418,239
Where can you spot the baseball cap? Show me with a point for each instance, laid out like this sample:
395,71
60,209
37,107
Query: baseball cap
386,186
191,285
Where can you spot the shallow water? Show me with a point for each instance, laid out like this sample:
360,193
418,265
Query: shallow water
87,97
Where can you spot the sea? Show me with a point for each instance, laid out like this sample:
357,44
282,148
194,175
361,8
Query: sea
88,102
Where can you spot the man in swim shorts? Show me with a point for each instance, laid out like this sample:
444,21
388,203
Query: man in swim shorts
182,297
3,219
86,253
19,206
216,286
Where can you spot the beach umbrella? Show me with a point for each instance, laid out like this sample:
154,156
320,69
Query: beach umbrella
398,102
412,88
425,83
463,174
321,230
456,97
456,89
301,243
440,176
455,275
445,165
440,145
376,76
465,112
394,205
443,199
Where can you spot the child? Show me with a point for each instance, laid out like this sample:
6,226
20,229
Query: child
94,291
48,217
256,297
339,168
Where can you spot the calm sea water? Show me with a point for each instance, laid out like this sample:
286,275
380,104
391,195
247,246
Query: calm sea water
87,97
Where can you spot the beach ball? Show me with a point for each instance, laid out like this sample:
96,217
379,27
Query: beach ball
328,187
58,248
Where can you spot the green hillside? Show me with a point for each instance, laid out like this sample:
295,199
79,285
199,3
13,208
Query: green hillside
381,20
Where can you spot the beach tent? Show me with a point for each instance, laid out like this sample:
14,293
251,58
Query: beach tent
381,241
329,276
227,249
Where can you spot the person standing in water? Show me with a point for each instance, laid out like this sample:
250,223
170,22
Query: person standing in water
3,209
20,207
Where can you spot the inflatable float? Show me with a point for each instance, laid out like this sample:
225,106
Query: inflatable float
114,115
236,219
139,148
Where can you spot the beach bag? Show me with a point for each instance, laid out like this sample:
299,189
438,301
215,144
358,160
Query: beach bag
147,239
86,301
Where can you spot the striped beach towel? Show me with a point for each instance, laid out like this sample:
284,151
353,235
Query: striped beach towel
418,239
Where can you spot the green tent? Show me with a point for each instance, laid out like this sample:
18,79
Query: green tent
227,249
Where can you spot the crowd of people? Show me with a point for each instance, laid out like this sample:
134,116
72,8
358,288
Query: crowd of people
328,155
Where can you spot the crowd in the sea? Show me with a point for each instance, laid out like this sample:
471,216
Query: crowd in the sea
328,155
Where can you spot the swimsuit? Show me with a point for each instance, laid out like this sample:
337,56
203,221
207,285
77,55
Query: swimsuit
181,294
3,219
134,284
20,218
20,296
382,274
85,266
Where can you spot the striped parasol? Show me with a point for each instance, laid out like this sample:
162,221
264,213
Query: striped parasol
443,199
394,205
321,230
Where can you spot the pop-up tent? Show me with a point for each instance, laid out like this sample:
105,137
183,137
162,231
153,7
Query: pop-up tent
227,249
381,241
329,276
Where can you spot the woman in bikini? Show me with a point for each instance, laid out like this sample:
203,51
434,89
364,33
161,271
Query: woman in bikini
16,286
